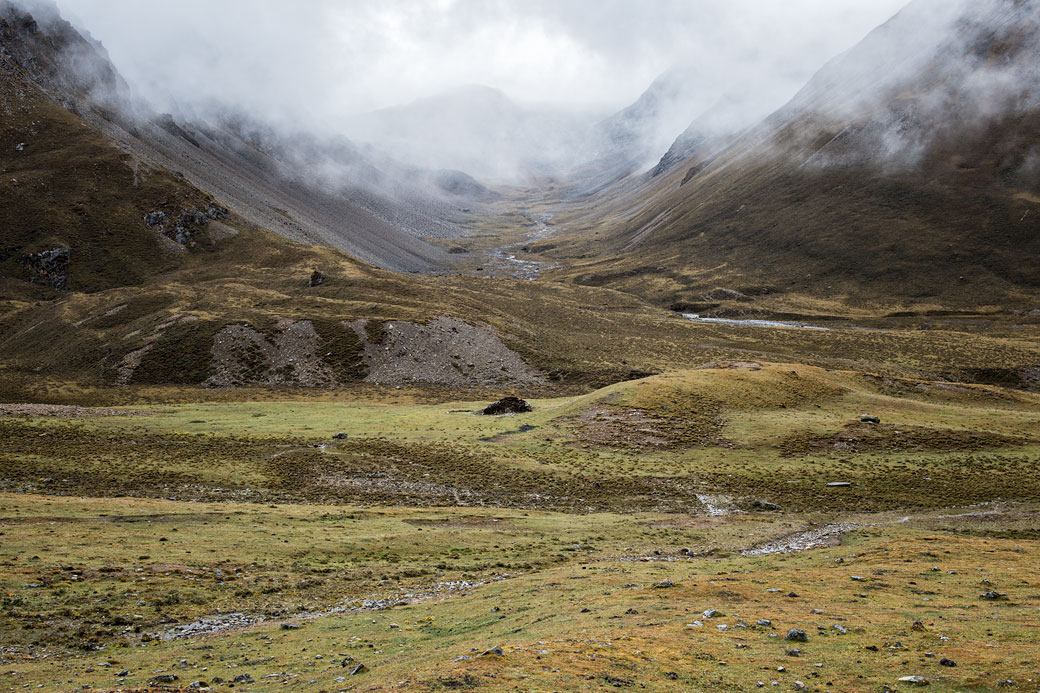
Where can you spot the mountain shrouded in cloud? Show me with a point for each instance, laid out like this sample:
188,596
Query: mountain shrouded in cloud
316,64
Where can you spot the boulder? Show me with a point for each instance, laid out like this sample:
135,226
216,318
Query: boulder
796,635
506,405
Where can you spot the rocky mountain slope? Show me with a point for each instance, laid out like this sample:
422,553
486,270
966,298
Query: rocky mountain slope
906,172
309,188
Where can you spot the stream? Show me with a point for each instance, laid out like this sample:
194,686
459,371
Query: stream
505,258
754,323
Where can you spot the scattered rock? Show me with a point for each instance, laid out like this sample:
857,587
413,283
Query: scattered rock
867,418
915,680
359,669
618,682
944,662
289,626
664,584
495,651
842,630
992,595
763,505
838,484
794,653
242,678
713,613
796,635
506,405
799,686
162,678
1006,683
340,436
317,278
764,622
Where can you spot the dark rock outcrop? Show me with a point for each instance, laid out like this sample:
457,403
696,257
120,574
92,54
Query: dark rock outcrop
506,405
50,267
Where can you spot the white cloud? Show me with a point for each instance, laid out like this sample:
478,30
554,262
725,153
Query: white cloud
318,60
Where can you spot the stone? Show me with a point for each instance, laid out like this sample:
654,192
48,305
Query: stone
49,267
317,278
664,584
838,484
506,405
242,678
359,669
340,436
764,622
799,686
163,678
842,630
944,662
713,613
722,627
991,595
867,418
914,680
495,651
796,635
763,505
289,626
154,218
794,652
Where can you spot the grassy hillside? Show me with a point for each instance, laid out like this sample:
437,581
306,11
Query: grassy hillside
903,176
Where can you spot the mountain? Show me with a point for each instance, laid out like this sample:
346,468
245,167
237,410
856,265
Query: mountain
478,130
906,172
309,188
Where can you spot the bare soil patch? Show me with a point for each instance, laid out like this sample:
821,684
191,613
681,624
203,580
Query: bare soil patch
865,437
63,411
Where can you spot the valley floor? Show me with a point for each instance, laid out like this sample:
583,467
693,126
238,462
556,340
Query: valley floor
581,546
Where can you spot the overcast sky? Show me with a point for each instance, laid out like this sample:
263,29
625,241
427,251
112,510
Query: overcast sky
322,59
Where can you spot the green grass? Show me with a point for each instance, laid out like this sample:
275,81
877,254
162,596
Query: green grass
583,611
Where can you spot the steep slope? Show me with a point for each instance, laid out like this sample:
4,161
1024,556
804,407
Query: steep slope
906,172
308,189
67,221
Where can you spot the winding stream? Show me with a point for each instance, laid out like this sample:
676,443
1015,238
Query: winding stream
515,268
754,323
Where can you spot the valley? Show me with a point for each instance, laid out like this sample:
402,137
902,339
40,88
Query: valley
780,423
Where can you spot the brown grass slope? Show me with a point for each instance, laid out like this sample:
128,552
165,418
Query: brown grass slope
912,181
267,180
64,186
